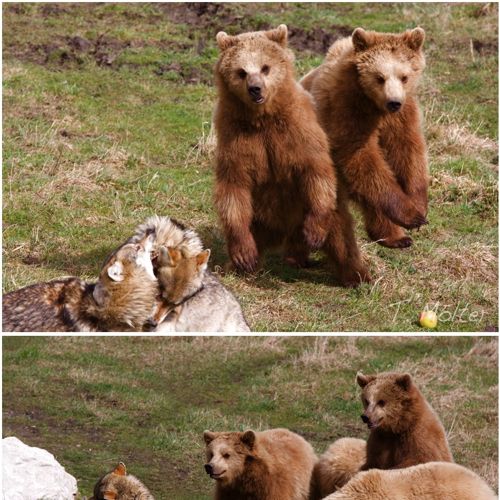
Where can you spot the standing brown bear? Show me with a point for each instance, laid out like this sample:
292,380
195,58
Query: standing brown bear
275,181
365,98
271,465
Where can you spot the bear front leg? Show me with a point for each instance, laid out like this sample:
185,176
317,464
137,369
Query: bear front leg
384,232
370,179
404,148
234,205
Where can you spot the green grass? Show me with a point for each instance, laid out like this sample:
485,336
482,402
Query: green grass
146,401
91,148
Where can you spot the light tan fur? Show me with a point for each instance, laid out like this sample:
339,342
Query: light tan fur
118,485
430,481
335,468
274,464
365,99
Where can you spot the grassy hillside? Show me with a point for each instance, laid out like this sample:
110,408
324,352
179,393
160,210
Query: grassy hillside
146,401
106,112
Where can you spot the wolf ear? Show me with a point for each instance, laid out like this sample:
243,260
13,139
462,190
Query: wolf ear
168,256
248,438
415,38
278,35
404,381
208,436
361,39
202,259
224,41
363,380
115,272
120,469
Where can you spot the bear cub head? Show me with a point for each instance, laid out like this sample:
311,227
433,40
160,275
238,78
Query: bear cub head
390,401
253,66
228,454
389,65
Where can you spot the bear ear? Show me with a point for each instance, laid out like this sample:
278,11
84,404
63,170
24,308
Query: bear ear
120,469
404,381
248,438
208,436
224,41
415,38
278,35
363,380
361,39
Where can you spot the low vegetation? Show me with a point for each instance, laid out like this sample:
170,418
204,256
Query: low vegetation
92,401
107,111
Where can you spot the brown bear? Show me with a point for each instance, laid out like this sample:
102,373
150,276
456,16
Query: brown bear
275,182
429,481
274,464
340,462
404,431
365,98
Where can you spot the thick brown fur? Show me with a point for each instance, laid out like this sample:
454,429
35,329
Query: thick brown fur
118,485
275,182
72,305
404,429
429,481
379,153
336,467
274,464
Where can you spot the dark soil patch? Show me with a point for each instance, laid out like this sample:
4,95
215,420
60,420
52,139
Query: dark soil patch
209,18
485,48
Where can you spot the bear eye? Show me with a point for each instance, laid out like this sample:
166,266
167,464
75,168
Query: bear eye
242,73
226,455
265,69
381,403
380,79
404,79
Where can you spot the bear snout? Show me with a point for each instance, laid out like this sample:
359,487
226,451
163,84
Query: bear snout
255,86
393,106
365,419
209,469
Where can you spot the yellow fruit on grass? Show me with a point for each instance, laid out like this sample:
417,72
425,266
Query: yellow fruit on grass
428,319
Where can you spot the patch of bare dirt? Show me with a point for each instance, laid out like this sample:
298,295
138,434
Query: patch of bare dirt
209,18
485,47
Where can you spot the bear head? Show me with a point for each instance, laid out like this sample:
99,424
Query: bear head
228,454
390,401
389,65
253,66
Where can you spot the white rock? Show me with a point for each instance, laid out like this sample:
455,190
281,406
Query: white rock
30,473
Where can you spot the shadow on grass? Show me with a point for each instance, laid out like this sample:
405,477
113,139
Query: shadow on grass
274,267
85,263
